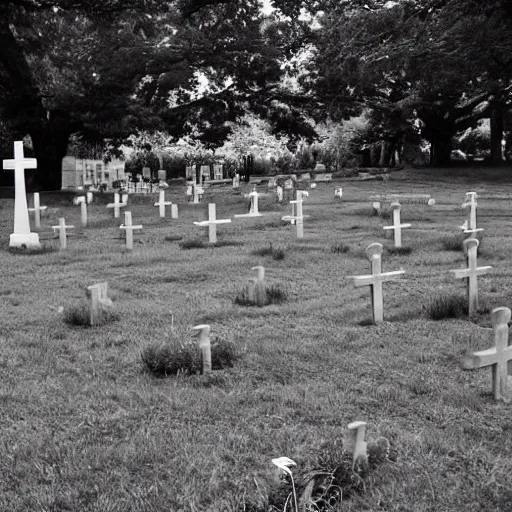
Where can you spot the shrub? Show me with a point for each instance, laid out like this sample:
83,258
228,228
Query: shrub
340,248
29,251
199,243
277,254
451,243
79,315
399,251
448,306
173,238
174,358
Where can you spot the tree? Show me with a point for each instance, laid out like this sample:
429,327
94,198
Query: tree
106,68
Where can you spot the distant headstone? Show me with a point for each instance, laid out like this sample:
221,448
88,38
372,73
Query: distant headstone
146,172
338,192
162,175
498,357
319,167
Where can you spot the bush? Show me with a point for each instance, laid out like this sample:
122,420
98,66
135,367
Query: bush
277,254
448,306
340,248
79,315
399,251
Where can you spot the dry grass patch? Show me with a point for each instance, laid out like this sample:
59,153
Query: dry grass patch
270,250
272,294
79,315
340,248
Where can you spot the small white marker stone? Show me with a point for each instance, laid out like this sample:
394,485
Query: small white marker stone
205,346
355,443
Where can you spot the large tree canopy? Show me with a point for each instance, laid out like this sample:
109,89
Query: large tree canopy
106,68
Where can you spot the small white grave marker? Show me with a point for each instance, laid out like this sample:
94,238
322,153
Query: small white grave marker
471,273
253,211
117,205
497,357
174,211
205,346
397,227
470,205
37,209
355,443
162,203
22,237
128,227
257,291
338,192
375,280
212,223
90,197
198,192
61,228
99,301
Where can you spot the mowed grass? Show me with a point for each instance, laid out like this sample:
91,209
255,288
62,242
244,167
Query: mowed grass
85,427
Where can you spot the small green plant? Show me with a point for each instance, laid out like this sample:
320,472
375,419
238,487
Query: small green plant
340,248
399,251
175,358
79,315
448,306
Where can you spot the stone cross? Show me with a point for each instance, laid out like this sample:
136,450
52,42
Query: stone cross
162,203
470,204
212,223
298,218
99,301
22,237
355,443
205,346
497,357
375,280
471,273
257,293
116,205
37,209
128,228
61,228
397,227
253,211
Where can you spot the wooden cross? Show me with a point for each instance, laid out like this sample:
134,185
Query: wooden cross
471,273
61,228
128,228
162,203
470,204
99,301
375,280
257,290
116,205
212,223
205,346
253,210
355,443
22,235
397,227
299,217
37,210
497,357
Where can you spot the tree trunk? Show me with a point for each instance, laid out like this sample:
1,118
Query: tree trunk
440,149
374,155
497,126
384,154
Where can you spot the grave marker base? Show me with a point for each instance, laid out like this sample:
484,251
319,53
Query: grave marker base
28,240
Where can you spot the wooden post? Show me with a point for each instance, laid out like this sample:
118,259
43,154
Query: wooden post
205,346
497,357
212,223
355,443
62,232
471,273
397,227
37,210
128,228
375,280
99,301
257,289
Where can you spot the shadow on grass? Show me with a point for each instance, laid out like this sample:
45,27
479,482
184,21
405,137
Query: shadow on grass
199,243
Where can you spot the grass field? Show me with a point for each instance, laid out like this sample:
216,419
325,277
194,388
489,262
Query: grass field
85,427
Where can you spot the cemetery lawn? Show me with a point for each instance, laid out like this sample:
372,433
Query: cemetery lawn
85,428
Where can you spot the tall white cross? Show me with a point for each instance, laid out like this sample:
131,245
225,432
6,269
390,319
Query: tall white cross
470,205
497,357
22,235
128,228
212,223
37,209
61,228
162,203
375,280
471,273
117,205
397,227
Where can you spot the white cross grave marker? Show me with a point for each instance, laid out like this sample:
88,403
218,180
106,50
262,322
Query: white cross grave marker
298,219
497,357
397,227
355,443
22,235
257,292
117,205
471,273
37,209
253,211
162,203
99,301
470,205
128,228
212,223
375,280
61,228
205,346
